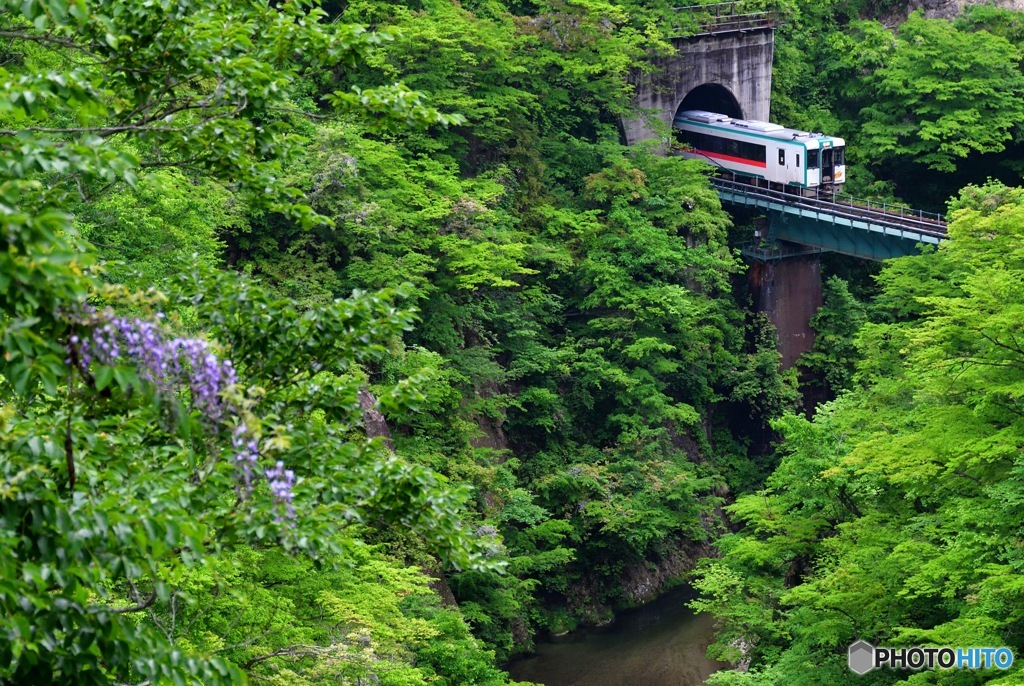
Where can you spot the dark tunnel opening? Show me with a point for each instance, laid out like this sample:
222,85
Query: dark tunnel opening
712,98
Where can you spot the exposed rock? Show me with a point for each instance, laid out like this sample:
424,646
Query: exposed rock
521,638
948,9
744,649
373,421
639,583
643,582
491,434
683,440
439,584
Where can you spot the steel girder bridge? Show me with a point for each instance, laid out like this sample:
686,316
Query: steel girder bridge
831,223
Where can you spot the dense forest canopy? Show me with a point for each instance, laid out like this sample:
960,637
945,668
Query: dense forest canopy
348,343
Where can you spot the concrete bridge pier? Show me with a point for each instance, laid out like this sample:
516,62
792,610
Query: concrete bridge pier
788,289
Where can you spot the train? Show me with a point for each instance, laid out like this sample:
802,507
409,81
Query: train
770,154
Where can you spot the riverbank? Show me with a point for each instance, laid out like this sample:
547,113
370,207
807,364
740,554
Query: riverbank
662,643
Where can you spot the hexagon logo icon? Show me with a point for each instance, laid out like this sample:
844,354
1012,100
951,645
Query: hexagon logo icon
861,657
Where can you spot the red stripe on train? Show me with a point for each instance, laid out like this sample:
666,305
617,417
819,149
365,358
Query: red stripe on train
728,158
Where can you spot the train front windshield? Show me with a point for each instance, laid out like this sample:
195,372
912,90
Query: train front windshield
840,155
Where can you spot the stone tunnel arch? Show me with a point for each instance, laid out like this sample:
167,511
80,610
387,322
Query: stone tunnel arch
712,97
740,64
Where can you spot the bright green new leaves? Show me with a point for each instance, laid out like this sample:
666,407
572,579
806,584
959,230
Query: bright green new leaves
943,93
652,323
291,622
895,516
836,324
146,233
157,493
208,86
925,106
114,491
175,75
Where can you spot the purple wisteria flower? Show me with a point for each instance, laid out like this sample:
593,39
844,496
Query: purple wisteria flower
281,481
172,363
247,452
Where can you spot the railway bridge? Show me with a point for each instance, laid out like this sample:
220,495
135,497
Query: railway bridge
829,222
722,62
785,255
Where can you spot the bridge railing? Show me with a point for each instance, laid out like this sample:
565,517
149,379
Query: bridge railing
721,17
847,205
767,250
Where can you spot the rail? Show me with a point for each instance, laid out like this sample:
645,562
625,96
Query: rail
929,223
723,17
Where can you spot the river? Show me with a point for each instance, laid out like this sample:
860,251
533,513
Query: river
659,644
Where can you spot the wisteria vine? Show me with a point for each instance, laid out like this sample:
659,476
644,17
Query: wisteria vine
172,363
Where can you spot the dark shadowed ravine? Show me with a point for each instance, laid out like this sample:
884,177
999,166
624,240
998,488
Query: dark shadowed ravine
659,644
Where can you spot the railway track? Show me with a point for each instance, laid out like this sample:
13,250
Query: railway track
844,206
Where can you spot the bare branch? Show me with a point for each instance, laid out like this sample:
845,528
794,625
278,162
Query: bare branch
960,472
142,605
996,342
302,113
292,651
49,40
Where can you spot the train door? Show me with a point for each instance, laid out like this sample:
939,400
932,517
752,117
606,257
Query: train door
828,167
782,170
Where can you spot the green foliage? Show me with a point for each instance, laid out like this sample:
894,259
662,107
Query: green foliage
120,487
549,328
756,382
836,325
998,21
924,108
944,93
169,478
891,516
147,232
288,621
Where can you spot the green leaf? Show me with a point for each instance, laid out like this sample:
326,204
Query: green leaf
103,376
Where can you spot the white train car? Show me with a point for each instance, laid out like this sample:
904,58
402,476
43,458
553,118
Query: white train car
762,150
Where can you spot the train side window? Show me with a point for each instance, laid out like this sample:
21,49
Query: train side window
782,157
812,159
753,151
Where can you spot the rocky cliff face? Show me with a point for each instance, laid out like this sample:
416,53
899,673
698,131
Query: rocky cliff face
947,9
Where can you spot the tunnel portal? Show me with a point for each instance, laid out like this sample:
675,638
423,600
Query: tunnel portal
712,97
728,72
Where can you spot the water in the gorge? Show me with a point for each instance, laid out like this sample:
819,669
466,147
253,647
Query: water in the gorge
659,644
